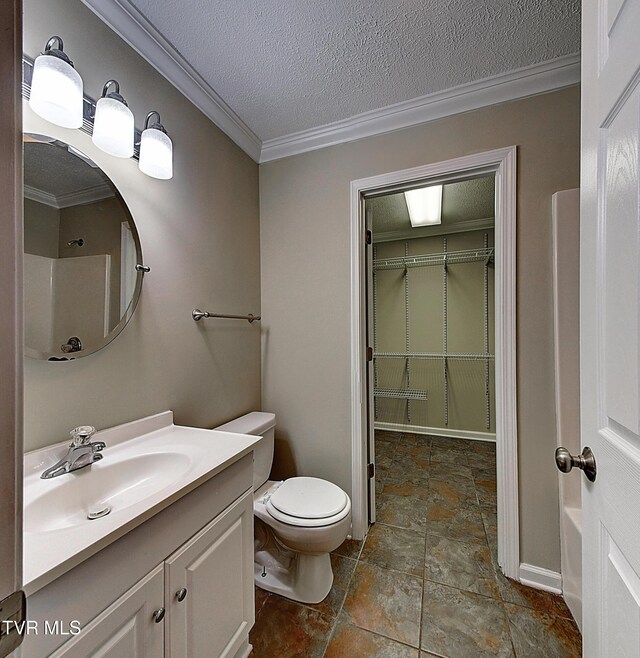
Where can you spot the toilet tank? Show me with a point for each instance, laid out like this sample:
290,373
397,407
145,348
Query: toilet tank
257,423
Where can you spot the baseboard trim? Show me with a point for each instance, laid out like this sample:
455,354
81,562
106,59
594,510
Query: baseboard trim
437,431
544,579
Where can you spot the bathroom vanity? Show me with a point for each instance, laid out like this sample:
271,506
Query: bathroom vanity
168,571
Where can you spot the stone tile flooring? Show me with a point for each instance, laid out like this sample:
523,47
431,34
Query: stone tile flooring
425,582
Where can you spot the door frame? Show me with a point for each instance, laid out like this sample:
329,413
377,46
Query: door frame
502,163
11,342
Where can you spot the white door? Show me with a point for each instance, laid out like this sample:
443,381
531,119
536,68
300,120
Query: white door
209,587
610,326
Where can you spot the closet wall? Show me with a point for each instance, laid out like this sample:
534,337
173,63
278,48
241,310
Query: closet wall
434,334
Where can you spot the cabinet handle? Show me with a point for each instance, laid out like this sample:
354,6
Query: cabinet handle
181,594
158,615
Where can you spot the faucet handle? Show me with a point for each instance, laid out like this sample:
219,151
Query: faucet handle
81,435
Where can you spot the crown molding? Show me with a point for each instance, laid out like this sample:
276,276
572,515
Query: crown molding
126,21
79,198
528,81
40,196
150,43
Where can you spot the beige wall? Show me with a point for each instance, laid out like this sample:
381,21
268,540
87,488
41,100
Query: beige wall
465,335
304,206
41,229
200,236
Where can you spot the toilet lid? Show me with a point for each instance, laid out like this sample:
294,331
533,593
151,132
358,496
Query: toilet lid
309,498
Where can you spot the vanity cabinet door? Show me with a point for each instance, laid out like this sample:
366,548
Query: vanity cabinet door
127,628
216,569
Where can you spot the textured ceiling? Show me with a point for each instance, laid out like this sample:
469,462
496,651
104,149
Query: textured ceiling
290,66
51,168
461,202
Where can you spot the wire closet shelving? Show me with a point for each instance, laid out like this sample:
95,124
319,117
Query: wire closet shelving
443,259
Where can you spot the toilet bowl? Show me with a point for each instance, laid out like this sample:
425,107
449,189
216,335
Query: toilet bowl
299,521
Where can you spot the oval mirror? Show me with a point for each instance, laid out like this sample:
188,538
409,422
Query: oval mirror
81,249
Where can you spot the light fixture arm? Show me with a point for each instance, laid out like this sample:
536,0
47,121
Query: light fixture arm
115,94
157,125
52,40
58,51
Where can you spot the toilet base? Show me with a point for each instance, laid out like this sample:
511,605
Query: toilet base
303,578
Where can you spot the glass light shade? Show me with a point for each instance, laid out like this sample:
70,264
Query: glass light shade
113,128
424,205
56,92
156,154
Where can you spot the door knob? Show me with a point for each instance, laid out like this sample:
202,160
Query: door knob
158,615
181,594
586,462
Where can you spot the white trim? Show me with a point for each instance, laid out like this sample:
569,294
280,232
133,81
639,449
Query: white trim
88,195
540,578
359,438
40,196
126,21
505,365
437,431
527,81
79,198
503,163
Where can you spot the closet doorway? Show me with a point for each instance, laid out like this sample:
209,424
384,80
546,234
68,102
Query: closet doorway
432,312
436,341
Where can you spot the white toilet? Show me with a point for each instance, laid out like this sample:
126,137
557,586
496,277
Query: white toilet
299,521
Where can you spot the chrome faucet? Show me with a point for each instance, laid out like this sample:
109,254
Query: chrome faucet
81,453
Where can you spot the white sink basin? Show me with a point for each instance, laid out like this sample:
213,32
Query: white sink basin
147,465
107,483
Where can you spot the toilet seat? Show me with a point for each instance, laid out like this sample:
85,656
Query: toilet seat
308,502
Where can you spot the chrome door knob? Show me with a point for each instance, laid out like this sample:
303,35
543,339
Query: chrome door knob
586,462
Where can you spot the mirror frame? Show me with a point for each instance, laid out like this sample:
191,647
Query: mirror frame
128,314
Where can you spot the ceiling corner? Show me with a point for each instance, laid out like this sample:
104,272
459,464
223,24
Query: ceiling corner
126,21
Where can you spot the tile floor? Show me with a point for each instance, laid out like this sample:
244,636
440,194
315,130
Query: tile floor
425,582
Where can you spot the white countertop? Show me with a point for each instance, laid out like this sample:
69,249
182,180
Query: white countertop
147,465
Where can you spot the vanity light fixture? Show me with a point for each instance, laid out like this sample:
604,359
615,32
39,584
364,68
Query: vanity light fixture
56,87
424,205
113,124
156,150
54,91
